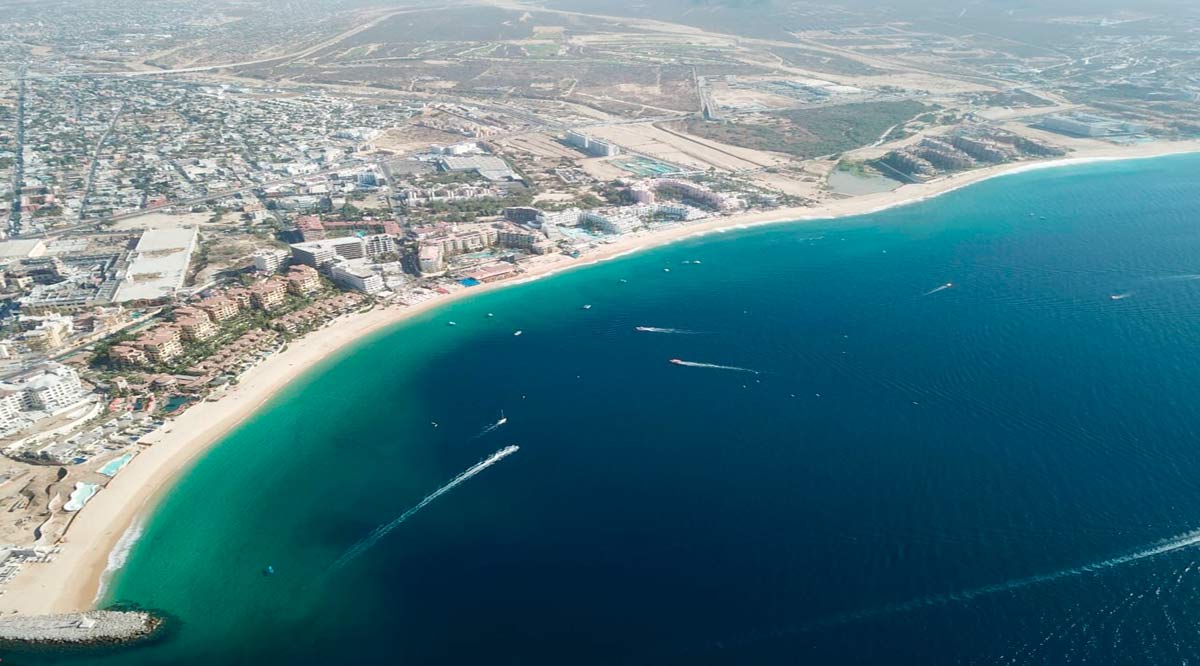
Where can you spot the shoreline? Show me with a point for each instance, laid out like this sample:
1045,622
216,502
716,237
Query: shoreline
70,582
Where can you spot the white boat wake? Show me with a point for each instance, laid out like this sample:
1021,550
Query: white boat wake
1180,542
713,366
1121,296
656,329
937,289
383,530
492,427
1186,277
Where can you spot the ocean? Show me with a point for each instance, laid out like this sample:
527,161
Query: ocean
962,431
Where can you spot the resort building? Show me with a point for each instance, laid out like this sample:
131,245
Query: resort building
270,261
460,242
48,333
219,308
162,344
591,145
522,214
612,221
50,388
124,356
359,278
493,272
517,237
195,324
648,192
240,296
429,259
377,245
319,253
310,228
269,294
303,280
12,402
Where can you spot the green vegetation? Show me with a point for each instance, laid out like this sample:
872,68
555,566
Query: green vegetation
808,133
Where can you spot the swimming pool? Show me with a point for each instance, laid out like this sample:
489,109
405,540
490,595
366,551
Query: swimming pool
113,466
83,493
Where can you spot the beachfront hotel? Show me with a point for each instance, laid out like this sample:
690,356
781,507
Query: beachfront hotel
219,308
269,294
50,388
195,324
303,280
162,343
359,278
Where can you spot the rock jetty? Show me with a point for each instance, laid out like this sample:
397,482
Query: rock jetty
101,627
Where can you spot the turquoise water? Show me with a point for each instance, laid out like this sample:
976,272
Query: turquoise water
115,465
1004,470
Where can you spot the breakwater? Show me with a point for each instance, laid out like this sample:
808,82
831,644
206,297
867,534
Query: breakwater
103,627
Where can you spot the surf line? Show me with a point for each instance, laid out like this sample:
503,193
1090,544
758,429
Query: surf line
713,366
383,530
1180,542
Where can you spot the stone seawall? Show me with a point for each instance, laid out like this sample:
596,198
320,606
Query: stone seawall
104,627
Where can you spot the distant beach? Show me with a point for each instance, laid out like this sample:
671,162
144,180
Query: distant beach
70,582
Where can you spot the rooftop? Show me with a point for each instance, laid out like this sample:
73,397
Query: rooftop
159,265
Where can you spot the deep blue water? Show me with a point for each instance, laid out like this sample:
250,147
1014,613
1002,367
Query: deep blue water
975,475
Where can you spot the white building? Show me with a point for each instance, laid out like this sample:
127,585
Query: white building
613,222
318,253
270,260
378,244
50,388
53,388
591,145
356,277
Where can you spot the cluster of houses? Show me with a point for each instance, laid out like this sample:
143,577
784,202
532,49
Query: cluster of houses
202,320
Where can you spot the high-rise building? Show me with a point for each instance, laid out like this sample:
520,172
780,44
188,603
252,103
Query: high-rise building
359,278
270,260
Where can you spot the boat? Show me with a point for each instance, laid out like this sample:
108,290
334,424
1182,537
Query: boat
623,280
491,315
666,270
518,333
677,361
587,306
452,323
269,570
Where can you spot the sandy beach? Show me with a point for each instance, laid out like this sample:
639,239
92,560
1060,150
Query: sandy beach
70,582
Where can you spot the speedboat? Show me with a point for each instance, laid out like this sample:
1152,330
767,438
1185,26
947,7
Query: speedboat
587,306
452,323
518,333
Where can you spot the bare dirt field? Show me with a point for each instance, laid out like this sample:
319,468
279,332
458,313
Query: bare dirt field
540,145
401,140
601,169
162,221
685,149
